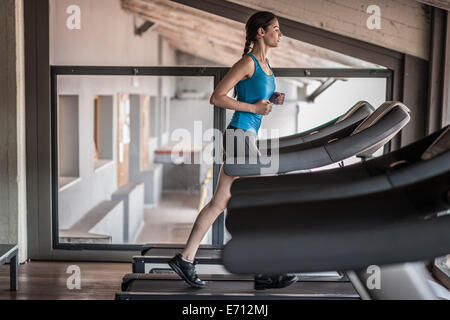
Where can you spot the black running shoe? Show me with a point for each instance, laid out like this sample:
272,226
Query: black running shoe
186,270
274,281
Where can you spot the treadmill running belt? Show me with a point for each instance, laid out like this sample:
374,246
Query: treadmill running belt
231,287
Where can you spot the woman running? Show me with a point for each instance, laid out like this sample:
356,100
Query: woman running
254,83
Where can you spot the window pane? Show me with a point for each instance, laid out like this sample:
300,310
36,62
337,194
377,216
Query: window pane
135,191
298,114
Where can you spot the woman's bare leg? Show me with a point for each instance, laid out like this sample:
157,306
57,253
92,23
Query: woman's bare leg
209,214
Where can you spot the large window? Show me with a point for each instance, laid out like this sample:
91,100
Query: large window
154,139
126,186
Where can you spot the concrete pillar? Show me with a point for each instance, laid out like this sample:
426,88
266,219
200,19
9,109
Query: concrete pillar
12,127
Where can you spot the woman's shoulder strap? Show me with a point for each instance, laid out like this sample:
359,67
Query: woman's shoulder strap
253,57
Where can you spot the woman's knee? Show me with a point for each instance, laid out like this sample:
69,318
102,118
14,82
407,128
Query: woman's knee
220,199
218,205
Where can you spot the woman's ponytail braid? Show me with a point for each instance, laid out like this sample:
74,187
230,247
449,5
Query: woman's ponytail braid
248,42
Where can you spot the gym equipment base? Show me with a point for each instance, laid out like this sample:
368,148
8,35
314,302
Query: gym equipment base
154,260
227,287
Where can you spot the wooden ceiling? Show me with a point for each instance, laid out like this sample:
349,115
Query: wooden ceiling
443,4
222,40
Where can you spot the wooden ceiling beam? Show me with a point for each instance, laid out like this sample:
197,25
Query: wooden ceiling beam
229,35
284,58
171,13
443,4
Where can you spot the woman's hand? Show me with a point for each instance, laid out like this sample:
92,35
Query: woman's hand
263,107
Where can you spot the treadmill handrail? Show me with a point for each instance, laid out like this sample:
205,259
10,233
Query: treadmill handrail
335,151
360,111
383,110
356,107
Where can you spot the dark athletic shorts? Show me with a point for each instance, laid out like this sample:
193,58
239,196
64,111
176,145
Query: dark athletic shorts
251,148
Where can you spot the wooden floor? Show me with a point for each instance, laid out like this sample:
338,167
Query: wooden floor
48,281
171,221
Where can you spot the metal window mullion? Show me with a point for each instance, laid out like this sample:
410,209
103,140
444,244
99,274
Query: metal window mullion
219,124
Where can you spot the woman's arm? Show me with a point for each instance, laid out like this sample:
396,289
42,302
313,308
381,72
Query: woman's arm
244,67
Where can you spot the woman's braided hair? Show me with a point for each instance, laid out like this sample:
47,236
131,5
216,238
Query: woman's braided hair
258,20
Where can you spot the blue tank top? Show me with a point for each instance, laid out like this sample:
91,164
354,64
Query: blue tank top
258,87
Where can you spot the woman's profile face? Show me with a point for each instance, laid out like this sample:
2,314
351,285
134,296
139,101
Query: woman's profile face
273,34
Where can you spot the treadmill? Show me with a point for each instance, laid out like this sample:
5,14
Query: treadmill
371,134
396,227
149,286
154,257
